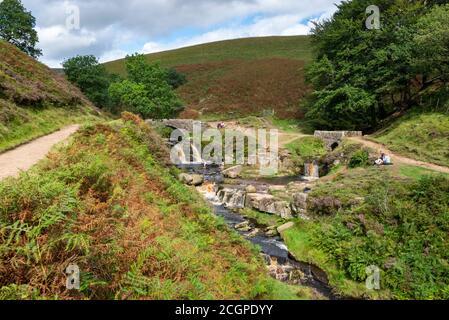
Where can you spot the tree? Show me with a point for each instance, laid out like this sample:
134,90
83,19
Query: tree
17,27
361,66
133,97
175,78
147,91
431,49
91,77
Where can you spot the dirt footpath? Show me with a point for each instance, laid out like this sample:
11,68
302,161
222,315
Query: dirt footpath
24,157
399,159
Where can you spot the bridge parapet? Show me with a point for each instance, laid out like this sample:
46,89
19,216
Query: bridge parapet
181,124
334,138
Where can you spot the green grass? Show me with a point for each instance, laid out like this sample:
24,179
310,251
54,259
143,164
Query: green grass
394,219
417,173
300,244
295,47
306,149
285,292
26,124
421,136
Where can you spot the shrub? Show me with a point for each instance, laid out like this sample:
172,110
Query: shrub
359,159
175,78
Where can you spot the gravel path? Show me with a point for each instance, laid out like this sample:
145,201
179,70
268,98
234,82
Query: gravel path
24,157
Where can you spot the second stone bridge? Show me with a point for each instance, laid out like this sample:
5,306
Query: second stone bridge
333,139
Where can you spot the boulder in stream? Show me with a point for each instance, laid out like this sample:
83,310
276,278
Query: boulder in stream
191,179
233,172
269,204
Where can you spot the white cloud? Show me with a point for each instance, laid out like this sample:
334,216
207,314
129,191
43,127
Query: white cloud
114,28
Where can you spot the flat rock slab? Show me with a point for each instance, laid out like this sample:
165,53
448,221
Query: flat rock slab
285,227
24,157
269,204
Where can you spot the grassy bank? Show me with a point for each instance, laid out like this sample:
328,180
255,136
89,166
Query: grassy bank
421,136
35,101
373,216
20,125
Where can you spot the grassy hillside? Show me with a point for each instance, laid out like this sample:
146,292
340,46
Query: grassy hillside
240,77
421,136
34,100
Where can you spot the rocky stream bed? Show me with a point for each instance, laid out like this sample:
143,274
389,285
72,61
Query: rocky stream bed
227,199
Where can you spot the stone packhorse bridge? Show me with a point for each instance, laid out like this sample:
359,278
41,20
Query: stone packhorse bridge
181,124
333,139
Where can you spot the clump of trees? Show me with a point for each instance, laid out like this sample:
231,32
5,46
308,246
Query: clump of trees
17,27
91,77
147,91
363,76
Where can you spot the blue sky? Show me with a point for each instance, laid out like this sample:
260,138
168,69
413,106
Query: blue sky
111,29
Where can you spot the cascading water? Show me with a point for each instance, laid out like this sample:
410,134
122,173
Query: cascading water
280,264
312,170
181,157
196,155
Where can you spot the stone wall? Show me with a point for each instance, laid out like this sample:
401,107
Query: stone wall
334,138
182,124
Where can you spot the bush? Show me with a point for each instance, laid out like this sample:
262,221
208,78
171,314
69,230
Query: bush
175,78
359,159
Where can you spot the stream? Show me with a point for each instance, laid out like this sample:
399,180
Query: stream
281,265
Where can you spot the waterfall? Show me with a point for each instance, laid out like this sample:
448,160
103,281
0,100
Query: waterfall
312,170
196,155
186,154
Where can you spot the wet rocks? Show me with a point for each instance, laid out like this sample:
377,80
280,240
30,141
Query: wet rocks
284,272
253,233
269,204
233,172
232,198
271,232
191,179
243,227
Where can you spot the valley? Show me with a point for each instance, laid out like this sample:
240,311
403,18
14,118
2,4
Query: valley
304,167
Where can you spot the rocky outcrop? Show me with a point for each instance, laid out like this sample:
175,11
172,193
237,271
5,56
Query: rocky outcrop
269,204
232,198
299,203
191,179
233,172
